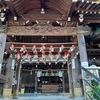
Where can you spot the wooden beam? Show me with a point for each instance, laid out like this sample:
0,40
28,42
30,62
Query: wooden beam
38,46
41,31
71,10
50,15
4,8
9,4
19,43
42,4
9,39
18,72
86,10
93,50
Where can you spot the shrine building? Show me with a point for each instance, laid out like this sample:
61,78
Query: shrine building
45,43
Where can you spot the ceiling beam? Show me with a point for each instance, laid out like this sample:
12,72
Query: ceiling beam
71,10
42,4
86,10
9,4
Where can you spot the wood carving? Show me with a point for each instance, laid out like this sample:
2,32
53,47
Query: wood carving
37,30
86,30
3,28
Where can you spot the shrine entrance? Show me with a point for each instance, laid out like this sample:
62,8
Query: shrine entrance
49,79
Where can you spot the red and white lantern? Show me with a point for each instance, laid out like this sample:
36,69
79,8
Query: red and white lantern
28,55
42,48
36,55
43,55
44,58
34,49
17,56
12,47
61,48
23,49
66,55
51,49
71,48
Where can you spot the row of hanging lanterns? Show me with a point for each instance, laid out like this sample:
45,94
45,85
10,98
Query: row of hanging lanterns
24,54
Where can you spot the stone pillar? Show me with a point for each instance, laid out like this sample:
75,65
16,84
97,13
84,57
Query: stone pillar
83,54
7,90
16,88
77,88
82,49
35,82
2,48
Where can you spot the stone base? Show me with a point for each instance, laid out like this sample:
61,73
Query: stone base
71,92
78,92
15,94
7,93
88,88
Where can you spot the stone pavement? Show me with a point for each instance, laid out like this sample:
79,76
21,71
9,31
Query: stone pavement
45,98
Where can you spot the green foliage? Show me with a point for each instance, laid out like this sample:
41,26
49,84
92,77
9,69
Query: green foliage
97,89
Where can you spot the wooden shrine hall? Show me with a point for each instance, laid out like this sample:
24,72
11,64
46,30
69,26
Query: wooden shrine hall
44,44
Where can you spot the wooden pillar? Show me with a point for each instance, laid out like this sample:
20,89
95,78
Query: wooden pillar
63,82
2,48
16,88
35,82
70,79
7,89
77,88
